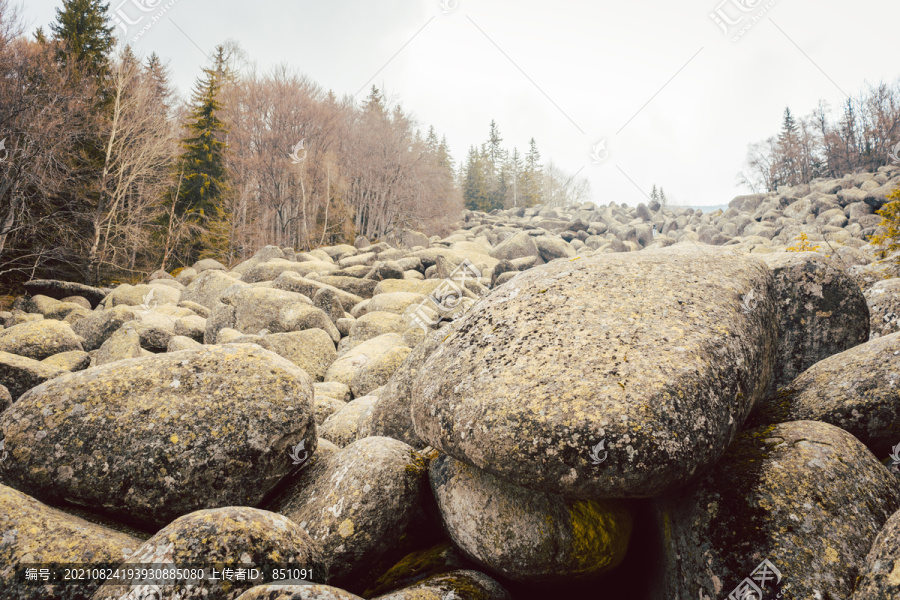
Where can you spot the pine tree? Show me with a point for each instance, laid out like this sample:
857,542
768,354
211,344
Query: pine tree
532,178
662,197
788,150
86,35
654,193
201,166
159,74
475,182
516,166
375,101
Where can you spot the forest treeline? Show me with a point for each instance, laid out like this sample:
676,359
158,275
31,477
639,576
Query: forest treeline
860,138
107,174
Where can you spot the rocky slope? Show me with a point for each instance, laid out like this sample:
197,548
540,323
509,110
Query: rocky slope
606,402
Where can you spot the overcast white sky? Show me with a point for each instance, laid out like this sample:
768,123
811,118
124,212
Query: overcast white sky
676,99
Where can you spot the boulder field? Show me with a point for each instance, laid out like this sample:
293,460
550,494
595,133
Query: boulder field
585,401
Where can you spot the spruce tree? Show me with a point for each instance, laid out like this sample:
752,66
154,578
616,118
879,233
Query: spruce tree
532,178
202,170
86,35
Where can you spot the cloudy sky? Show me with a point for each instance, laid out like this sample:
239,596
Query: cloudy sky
675,97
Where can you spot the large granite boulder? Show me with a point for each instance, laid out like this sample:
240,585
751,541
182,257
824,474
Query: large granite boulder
60,290
19,374
230,537
654,357
880,575
150,439
805,496
821,312
33,534
39,339
883,299
528,536
251,310
99,326
358,502
857,390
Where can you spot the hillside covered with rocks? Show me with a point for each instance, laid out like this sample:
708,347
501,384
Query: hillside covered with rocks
578,402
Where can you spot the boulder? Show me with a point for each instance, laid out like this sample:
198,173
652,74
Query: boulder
281,591
374,324
334,389
123,344
312,350
143,296
378,371
233,536
32,534
352,421
470,585
806,496
880,575
99,326
293,282
207,289
391,416
192,326
650,353
821,312
208,264
300,316
524,535
39,339
251,310
5,398
74,360
270,270
364,288
347,364
518,246
883,300
855,390
150,439
324,407
61,289
551,248
395,302
358,503
19,374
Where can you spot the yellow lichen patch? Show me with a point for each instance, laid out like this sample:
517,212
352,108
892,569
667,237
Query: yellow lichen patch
345,529
174,438
894,575
600,534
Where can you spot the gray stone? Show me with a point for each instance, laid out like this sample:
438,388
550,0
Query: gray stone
153,438
528,536
805,495
358,502
39,339
649,353
821,312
